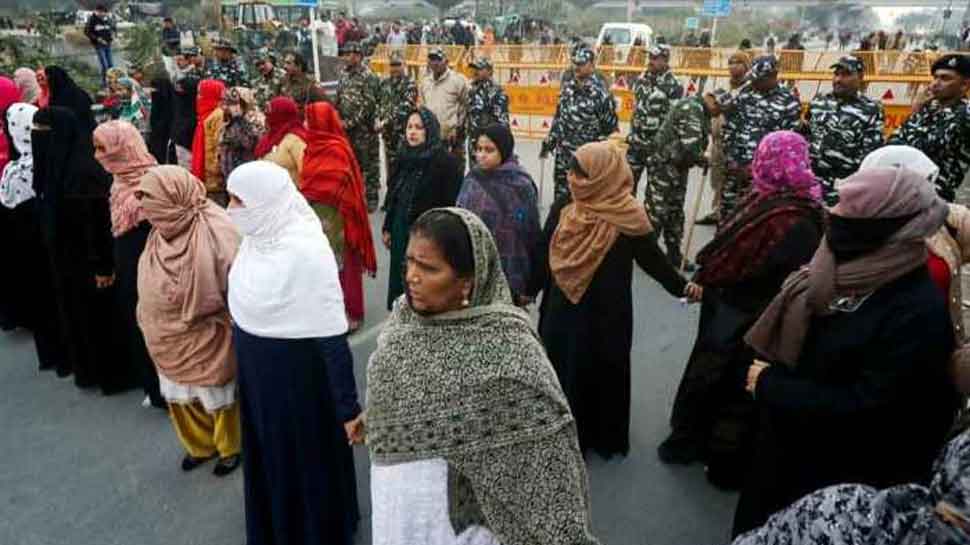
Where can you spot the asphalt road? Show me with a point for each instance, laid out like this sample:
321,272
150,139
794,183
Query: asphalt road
81,469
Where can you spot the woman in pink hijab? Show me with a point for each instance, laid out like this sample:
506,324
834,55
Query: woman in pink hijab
120,149
26,80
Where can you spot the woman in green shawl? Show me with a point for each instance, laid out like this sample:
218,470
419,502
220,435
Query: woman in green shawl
470,436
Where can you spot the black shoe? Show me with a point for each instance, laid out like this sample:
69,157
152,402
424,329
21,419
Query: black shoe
189,463
679,450
725,476
711,219
226,466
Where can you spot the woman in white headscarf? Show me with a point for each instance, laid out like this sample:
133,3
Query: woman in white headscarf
949,250
32,296
296,379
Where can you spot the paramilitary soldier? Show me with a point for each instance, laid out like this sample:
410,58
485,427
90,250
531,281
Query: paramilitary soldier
842,127
399,95
487,104
268,83
586,113
653,91
680,144
762,107
358,97
226,67
941,127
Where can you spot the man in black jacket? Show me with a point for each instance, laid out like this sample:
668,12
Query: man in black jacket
100,30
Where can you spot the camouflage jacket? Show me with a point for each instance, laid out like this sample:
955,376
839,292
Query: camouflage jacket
231,73
303,90
358,98
943,134
586,113
755,115
653,97
399,96
268,88
682,138
487,104
841,133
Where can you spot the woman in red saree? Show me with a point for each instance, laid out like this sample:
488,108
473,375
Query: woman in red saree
333,185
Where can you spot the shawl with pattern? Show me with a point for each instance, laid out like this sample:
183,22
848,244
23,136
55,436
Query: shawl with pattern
474,386
124,155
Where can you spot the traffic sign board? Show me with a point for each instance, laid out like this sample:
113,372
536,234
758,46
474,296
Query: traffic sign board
716,8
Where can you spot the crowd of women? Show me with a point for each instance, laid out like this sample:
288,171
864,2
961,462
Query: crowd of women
829,348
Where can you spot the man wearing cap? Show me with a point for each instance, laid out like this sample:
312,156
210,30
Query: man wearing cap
760,108
842,127
653,93
487,103
226,67
297,84
941,127
358,97
679,144
445,93
268,83
399,97
586,113
183,64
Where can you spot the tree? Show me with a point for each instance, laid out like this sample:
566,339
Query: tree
444,5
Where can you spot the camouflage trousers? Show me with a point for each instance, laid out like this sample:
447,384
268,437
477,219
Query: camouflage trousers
735,188
638,157
664,196
392,147
366,147
563,159
829,193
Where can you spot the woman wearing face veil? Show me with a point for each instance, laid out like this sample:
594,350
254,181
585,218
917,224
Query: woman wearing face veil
859,344
296,371
64,92
72,199
31,279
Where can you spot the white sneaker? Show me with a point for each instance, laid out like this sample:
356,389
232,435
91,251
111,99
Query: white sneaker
147,402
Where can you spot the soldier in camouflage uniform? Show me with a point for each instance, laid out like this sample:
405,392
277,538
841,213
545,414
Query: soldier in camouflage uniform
268,84
487,104
941,127
761,107
297,84
226,67
399,96
653,91
680,143
358,97
586,113
842,127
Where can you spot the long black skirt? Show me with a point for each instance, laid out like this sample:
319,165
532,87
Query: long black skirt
127,250
300,484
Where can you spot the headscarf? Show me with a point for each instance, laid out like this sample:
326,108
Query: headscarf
902,157
432,138
135,110
127,159
331,176
162,118
603,207
17,183
282,117
206,102
247,101
781,162
43,100
9,93
114,74
283,283
64,92
877,193
502,137
478,385
182,277
414,161
26,80
64,158
909,514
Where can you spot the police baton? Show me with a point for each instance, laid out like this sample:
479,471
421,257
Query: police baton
693,218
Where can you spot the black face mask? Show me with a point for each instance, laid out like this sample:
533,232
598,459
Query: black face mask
849,238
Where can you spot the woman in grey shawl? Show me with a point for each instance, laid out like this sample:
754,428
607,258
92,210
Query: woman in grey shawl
470,435
852,514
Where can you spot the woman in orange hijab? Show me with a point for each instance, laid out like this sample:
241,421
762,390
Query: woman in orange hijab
333,185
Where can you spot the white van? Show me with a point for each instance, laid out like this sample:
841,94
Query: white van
623,36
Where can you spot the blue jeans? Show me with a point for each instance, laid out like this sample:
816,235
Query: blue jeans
104,57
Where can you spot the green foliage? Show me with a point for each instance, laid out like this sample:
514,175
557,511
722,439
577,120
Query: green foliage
142,43
15,53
